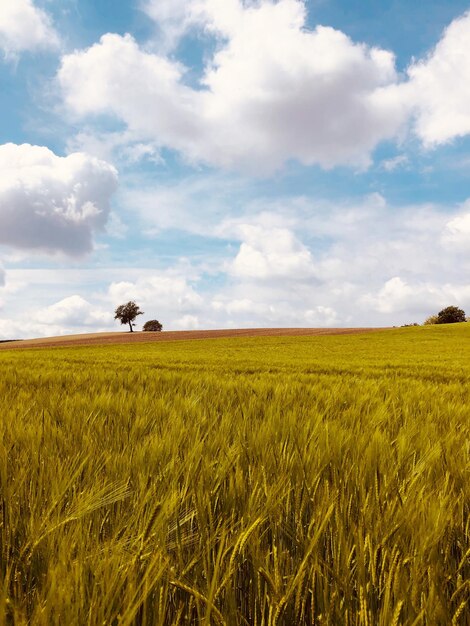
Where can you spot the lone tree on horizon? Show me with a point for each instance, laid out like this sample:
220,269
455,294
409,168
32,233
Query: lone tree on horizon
127,313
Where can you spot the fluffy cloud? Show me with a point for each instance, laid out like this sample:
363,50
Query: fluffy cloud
353,265
303,261
457,230
345,265
271,254
251,303
169,290
172,17
319,98
396,298
143,89
62,321
46,302
74,311
38,302
51,203
439,87
187,322
25,27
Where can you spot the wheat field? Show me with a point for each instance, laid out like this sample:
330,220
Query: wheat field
245,481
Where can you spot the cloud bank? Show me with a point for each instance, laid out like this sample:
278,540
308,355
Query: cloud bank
280,269
319,99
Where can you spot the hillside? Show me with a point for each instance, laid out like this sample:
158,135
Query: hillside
180,335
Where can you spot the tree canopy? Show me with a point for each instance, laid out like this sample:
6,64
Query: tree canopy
451,315
152,326
127,313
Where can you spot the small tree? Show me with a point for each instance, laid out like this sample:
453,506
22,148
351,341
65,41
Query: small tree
450,315
127,313
432,319
152,326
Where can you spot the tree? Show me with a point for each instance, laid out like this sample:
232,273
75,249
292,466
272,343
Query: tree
432,319
152,326
127,313
450,315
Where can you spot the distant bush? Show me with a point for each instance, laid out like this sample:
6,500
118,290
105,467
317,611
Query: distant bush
152,326
408,325
432,319
451,315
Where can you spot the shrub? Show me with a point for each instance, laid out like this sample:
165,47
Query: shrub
432,319
152,326
450,315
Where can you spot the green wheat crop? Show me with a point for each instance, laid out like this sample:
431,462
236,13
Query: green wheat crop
314,480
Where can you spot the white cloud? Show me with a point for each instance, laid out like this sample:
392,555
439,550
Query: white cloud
26,329
322,264
172,17
390,165
187,322
168,291
319,98
439,86
284,258
142,89
271,254
361,264
271,304
457,230
243,305
63,301
74,311
393,296
50,203
175,17
322,316
398,297
24,26
268,305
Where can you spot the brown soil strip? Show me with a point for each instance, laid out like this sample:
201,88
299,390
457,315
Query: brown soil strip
97,339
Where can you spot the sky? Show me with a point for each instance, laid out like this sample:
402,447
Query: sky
233,163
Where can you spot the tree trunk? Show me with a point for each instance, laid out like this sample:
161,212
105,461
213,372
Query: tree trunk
130,326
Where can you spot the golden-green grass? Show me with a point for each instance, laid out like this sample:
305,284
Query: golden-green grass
262,481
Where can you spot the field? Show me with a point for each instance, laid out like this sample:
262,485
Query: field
100,339
249,480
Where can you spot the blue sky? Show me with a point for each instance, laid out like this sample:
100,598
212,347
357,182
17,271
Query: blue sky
232,164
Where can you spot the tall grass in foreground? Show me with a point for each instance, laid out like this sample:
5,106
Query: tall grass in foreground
320,480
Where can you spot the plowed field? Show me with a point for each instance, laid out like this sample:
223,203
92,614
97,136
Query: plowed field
139,337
